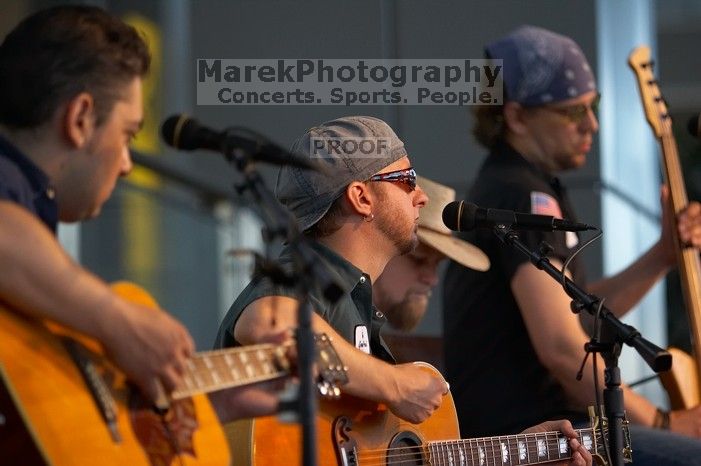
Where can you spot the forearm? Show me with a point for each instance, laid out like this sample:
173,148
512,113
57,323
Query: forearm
369,377
42,280
410,391
625,289
244,402
558,340
638,409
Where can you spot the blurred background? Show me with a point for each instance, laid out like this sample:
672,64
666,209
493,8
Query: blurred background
176,228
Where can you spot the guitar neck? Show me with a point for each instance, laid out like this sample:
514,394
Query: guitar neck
520,449
657,115
232,367
689,265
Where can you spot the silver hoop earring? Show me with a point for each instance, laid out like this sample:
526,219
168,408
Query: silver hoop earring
369,218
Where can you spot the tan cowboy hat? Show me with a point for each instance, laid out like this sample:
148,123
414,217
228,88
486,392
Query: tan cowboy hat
434,233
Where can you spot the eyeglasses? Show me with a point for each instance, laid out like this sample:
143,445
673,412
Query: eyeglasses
577,113
406,176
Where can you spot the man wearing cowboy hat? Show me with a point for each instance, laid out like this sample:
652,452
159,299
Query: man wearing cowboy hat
404,288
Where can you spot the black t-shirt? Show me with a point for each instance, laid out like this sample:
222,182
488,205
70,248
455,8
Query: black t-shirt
25,184
497,381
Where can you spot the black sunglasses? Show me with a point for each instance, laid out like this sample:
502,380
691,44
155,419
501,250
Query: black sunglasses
576,113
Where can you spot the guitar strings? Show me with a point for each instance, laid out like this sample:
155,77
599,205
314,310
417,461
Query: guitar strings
200,372
413,450
449,448
490,452
450,456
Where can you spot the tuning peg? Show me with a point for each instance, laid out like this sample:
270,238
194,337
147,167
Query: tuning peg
324,388
329,390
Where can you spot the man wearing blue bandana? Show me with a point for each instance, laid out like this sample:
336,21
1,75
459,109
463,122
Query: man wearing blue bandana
511,327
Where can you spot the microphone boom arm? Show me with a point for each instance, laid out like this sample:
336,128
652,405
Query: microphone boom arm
657,358
616,333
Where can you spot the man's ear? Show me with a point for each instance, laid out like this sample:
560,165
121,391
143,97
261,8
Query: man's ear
79,119
360,198
514,118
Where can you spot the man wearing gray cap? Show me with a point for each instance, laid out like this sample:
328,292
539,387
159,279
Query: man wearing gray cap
361,215
370,198
512,326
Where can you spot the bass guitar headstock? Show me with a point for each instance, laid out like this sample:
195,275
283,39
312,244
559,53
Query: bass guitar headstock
654,105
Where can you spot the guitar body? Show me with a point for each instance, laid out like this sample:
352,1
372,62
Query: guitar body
266,441
682,381
61,422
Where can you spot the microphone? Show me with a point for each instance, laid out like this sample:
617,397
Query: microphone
464,216
694,126
185,133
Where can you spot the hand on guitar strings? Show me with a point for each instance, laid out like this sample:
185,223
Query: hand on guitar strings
420,392
580,455
150,346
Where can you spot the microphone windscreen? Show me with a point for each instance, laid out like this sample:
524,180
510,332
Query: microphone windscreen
450,215
179,131
459,215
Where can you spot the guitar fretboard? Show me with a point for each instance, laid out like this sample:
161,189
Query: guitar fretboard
507,450
215,370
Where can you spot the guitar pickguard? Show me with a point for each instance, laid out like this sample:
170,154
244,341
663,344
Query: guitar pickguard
166,435
346,448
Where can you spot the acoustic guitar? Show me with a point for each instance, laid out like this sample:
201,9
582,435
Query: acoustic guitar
62,403
682,381
354,432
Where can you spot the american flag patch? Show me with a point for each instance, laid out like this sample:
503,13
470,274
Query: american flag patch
544,204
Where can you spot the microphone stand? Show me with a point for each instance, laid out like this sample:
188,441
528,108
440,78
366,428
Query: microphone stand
617,333
279,222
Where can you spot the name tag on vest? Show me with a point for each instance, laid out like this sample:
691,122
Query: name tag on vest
362,340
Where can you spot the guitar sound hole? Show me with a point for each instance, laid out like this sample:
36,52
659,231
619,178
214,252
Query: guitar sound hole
406,449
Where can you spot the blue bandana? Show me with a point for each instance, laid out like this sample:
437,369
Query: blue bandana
541,67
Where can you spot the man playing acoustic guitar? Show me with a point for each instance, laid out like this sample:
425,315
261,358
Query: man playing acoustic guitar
71,93
360,215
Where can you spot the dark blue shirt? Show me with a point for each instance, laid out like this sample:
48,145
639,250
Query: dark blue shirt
23,183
